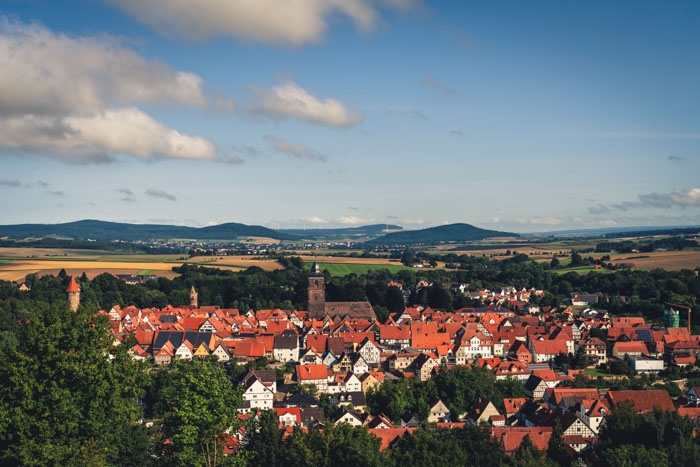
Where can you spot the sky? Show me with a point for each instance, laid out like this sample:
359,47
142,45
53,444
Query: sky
516,116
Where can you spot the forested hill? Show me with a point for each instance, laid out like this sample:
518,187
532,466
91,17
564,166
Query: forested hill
443,233
102,230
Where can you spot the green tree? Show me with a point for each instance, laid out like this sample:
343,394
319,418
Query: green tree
633,455
264,445
198,405
556,450
65,401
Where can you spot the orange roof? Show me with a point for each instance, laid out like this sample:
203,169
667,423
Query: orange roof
317,341
395,332
296,411
249,348
510,437
558,393
553,347
643,401
73,286
623,321
692,412
630,347
389,435
513,404
546,375
312,372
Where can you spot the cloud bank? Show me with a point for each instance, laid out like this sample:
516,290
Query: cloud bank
682,198
287,22
74,97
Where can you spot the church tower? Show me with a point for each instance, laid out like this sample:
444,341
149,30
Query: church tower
194,298
73,291
317,293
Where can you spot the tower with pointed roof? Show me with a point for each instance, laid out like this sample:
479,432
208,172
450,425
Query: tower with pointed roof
73,292
317,293
194,298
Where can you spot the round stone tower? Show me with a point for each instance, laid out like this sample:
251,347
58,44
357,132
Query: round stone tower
73,291
194,298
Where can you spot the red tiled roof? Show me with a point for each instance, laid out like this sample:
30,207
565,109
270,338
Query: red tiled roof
510,437
643,401
513,404
388,436
312,372
630,347
553,347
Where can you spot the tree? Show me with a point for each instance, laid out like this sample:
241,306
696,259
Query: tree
394,300
556,449
576,259
632,455
264,441
65,402
198,406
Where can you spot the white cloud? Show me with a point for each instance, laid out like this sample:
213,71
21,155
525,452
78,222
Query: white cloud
295,150
54,74
352,220
93,138
295,22
687,198
291,101
314,220
73,97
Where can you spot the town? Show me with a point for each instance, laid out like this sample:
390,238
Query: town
341,354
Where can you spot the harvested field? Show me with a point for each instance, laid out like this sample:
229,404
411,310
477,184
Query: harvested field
670,260
18,269
234,262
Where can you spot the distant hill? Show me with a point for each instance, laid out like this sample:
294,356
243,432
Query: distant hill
617,232
102,230
366,231
443,233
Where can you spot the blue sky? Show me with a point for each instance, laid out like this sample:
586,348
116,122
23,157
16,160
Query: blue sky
516,116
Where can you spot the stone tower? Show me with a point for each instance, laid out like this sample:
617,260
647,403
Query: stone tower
317,293
194,298
73,291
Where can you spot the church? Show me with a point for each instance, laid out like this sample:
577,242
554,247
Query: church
319,308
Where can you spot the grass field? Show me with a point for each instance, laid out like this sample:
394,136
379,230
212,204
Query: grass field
343,269
594,372
579,270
